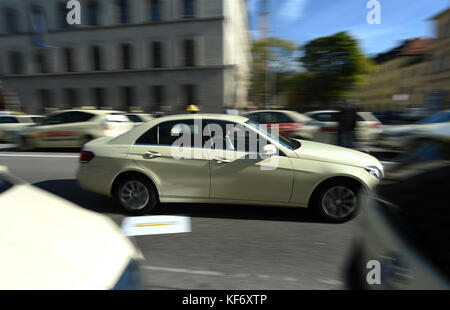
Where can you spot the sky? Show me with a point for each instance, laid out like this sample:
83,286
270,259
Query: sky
304,20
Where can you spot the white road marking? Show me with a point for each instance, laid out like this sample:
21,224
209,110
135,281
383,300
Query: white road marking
217,273
180,270
39,156
155,225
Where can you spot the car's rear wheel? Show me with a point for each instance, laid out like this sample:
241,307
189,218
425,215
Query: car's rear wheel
337,201
136,195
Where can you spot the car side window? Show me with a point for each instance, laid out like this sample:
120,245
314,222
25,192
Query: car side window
134,118
283,118
167,133
76,117
54,119
232,137
8,120
254,117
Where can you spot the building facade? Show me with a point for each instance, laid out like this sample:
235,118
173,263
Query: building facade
126,54
438,77
399,79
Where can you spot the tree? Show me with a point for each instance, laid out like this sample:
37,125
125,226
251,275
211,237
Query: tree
336,65
272,58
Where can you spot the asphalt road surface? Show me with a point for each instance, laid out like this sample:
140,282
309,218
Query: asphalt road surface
229,247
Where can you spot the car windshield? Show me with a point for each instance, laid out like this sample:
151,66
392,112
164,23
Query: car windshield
4,185
287,143
441,117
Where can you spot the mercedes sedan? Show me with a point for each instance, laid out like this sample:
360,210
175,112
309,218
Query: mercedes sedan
226,159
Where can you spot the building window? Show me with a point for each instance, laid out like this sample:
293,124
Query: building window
38,20
45,99
68,60
93,13
41,61
11,20
61,13
188,9
124,15
99,97
157,95
155,10
189,95
127,98
157,54
126,54
16,60
189,59
70,97
96,58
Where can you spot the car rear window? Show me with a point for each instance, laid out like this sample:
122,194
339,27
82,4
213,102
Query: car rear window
117,118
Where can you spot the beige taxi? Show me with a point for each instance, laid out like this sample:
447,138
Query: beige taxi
217,158
73,128
10,121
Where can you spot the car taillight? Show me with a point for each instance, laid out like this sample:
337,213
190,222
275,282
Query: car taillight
329,128
86,157
377,125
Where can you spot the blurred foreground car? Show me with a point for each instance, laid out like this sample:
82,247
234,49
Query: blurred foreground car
398,136
73,128
13,121
49,243
367,126
140,168
405,223
291,124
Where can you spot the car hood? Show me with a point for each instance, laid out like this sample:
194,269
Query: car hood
50,243
336,154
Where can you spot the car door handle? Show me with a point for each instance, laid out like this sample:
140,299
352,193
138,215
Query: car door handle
222,160
152,154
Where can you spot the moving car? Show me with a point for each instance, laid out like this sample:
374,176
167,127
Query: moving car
398,136
139,118
73,128
13,121
52,244
404,225
367,126
291,124
224,159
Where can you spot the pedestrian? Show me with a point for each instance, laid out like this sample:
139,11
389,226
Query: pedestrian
347,125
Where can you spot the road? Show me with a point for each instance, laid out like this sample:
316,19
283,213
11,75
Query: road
229,247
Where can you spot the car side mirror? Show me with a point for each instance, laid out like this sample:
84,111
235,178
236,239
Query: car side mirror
269,150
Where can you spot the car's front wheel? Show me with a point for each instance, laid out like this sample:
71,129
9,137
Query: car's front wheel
137,195
337,201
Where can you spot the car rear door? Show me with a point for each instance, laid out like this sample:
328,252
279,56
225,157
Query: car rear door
179,169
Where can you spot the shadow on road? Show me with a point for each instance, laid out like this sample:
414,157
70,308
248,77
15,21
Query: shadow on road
69,189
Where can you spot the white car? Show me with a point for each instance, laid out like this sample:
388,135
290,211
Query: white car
48,243
399,136
73,128
245,164
13,122
291,124
367,126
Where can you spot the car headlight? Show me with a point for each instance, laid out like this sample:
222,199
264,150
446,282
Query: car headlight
375,171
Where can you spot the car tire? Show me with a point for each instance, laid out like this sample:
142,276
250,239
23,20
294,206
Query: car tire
336,201
136,195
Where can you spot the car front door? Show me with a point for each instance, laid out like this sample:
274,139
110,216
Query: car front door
239,171
179,168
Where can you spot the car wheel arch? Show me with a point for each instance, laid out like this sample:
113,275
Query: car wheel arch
343,178
128,173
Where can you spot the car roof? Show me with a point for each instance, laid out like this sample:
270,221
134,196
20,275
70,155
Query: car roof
88,111
322,111
225,117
